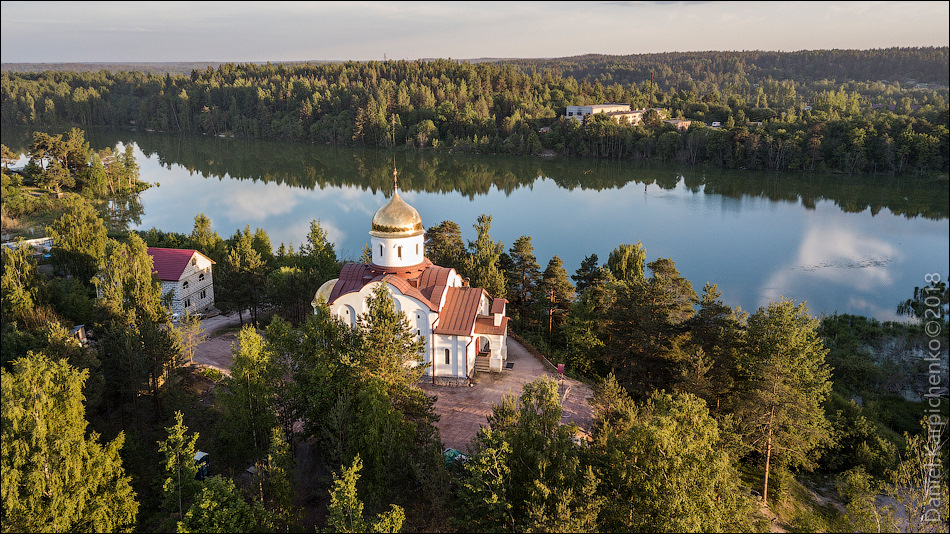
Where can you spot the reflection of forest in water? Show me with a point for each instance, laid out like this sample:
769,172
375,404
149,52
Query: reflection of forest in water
318,166
122,212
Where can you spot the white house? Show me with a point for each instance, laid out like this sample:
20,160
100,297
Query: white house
618,112
464,328
186,274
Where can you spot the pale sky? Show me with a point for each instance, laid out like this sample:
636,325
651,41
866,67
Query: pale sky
135,31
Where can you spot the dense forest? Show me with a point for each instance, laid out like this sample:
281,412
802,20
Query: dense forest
848,111
704,415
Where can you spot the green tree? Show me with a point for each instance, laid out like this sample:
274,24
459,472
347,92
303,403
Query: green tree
648,327
242,279
524,275
178,451
716,330
319,258
589,274
444,245
275,481
388,347
249,412
190,334
526,473
919,497
55,477
555,293
79,240
666,470
19,285
220,507
345,512
206,240
784,381
626,262
481,264
139,348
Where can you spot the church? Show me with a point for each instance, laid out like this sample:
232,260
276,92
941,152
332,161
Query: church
465,329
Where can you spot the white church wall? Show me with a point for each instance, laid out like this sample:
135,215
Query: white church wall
398,252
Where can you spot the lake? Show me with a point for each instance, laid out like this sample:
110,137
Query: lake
845,244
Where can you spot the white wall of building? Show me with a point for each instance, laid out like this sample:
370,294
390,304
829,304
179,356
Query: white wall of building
194,291
398,252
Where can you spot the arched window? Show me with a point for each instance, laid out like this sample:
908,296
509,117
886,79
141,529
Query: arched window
201,277
448,356
184,284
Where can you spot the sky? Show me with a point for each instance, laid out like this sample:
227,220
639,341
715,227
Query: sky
137,31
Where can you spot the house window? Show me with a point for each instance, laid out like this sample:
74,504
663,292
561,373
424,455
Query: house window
187,303
448,355
399,252
380,251
201,277
204,294
184,285
417,249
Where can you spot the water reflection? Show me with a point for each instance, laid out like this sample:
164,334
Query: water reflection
319,167
848,244
853,264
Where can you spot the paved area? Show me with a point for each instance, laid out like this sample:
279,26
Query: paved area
464,409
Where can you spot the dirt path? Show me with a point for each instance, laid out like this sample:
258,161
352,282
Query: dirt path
215,350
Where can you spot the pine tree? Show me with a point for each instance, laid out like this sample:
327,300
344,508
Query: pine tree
444,246
55,477
784,381
481,264
179,452
523,276
389,347
555,294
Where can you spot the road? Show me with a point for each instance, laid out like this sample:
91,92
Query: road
215,351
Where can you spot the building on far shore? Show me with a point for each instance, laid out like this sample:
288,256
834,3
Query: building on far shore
680,124
620,113
186,275
464,328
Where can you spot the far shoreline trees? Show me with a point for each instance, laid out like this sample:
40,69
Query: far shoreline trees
770,117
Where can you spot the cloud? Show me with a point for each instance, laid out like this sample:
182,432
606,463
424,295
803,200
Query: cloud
834,257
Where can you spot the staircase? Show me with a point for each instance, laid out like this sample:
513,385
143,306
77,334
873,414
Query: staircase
482,364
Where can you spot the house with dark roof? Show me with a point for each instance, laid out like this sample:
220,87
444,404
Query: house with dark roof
465,329
186,275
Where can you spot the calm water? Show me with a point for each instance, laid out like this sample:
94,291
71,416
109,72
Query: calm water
847,244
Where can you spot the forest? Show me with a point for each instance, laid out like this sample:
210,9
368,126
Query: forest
702,413
842,111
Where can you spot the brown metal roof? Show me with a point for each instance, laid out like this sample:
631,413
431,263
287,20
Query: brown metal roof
433,281
486,325
498,305
352,278
355,276
457,317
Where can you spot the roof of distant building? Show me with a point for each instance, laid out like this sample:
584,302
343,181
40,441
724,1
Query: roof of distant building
170,263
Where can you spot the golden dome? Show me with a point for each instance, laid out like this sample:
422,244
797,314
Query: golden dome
396,219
